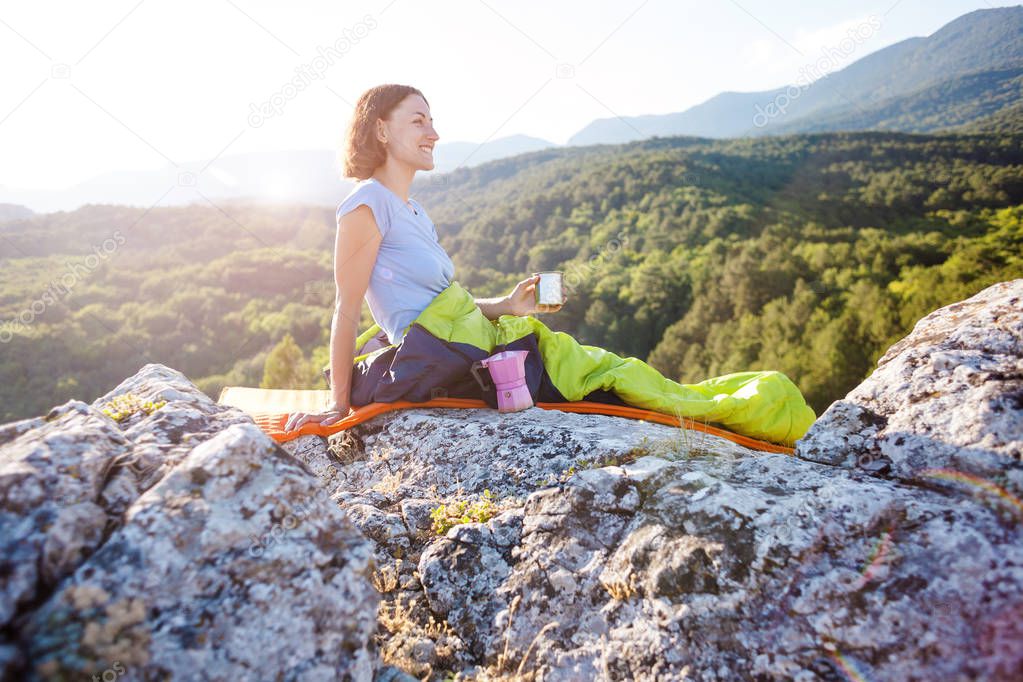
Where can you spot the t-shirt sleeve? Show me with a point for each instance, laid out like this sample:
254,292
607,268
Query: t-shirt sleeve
371,196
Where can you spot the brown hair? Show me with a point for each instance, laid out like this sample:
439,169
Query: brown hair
364,153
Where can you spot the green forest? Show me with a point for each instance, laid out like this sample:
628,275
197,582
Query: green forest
808,254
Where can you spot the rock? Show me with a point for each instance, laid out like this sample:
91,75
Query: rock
391,674
460,576
370,498
386,530
736,572
12,430
438,453
424,651
162,439
416,513
310,451
52,481
405,469
945,404
378,526
173,544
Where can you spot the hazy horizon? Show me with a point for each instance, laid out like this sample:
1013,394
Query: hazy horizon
142,85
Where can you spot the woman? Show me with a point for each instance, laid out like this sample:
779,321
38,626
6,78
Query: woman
386,247
387,251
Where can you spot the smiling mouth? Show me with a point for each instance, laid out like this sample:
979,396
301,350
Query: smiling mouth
428,150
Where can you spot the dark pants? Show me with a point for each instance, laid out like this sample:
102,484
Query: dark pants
375,343
424,367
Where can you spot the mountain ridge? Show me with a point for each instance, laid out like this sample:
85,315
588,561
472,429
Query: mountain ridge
982,40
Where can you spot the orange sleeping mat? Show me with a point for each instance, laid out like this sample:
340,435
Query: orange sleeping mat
270,409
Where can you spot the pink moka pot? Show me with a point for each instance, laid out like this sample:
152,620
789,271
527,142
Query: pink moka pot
508,370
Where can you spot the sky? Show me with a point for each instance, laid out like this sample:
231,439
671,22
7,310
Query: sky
111,85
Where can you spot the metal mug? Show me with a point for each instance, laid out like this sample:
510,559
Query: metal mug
550,292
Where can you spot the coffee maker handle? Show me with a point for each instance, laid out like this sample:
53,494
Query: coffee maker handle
476,367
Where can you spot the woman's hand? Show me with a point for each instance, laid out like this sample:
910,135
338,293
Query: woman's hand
522,299
331,414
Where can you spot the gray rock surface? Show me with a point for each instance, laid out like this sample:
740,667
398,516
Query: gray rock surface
946,400
183,543
438,453
772,567
408,462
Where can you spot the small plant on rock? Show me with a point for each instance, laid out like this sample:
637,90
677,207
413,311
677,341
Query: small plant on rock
125,405
621,590
447,516
504,668
386,579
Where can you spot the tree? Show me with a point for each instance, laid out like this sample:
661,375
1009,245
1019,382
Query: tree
286,367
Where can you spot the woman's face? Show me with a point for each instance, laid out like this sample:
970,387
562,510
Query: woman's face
409,134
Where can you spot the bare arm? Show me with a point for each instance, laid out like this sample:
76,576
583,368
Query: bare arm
355,253
521,301
493,308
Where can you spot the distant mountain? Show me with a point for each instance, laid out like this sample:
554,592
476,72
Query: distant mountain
308,176
948,104
728,114
966,70
14,212
300,176
451,155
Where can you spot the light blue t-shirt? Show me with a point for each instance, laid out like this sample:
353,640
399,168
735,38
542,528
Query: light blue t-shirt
411,266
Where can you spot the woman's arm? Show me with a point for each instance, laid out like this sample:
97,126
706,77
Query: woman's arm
493,308
355,253
343,331
521,301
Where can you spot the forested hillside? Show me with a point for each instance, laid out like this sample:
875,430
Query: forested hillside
88,297
808,254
